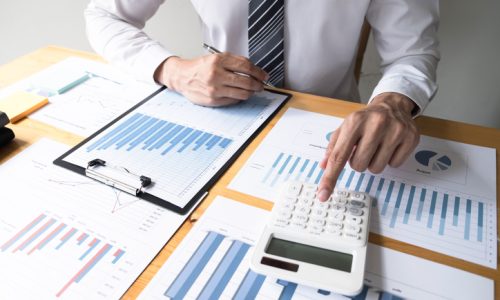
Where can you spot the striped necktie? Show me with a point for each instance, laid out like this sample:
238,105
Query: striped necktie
265,37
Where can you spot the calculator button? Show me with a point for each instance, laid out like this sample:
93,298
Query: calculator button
308,194
358,196
336,225
340,201
316,229
305,201
287,205
352,228
281,222
318,213
300,218
353,219
283,215
355,211
342,194
351,236
318,222
333,231
294,189
337,216
310,187
289,199
355,203
299,224
322,205
338,207
302,210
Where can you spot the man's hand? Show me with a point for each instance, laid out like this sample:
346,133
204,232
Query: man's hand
211,80
382,133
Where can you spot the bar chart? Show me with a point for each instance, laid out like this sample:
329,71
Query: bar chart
213,262
435,201
52,238
69,235
419,214
178,144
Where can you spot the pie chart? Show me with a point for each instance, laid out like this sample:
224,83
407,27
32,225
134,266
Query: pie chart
329,135
434,160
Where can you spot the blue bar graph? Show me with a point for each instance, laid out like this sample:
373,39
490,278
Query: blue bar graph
302,169
468,211
341,175
480,209
250,286
292,169
443,214
134,134
360,181
143,132
320,174
147,134
396,207
224,271
421,204
288,289
122,134
456,208
444,208
115,131
432,209
273,167
311,172
379,189
349,180
369,185
283,167
409,205
387,197
192,269
150,142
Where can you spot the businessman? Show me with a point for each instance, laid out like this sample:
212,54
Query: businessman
307,46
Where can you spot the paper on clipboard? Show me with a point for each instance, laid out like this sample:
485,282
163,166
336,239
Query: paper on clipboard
182,147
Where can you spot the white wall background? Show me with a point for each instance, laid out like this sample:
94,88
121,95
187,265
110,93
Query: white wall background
467,75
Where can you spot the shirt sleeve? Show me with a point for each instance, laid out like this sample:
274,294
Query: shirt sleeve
405,35
114,29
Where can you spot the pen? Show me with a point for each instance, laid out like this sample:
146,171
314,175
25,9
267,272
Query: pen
215,51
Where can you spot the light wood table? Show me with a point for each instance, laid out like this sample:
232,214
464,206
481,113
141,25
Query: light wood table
29,131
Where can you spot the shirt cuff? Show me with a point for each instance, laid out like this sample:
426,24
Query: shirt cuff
148,60
416,91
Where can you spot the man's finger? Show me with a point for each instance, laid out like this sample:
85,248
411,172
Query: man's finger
365,149
404,150
242,82
243,65
382,156
331,144
336,162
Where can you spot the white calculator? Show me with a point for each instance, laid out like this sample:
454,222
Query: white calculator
318,244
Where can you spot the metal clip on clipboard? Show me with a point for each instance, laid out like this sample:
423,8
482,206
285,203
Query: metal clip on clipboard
116,176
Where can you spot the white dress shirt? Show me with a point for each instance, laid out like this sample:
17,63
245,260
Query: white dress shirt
321,41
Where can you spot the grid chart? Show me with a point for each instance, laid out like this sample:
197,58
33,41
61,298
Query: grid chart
47,233
219,268
436,217
183,152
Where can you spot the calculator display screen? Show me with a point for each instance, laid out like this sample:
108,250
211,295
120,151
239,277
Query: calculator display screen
309,254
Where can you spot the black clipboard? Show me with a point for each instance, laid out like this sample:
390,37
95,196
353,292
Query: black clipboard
143,181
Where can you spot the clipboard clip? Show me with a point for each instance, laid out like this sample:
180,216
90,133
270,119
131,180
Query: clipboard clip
116,176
